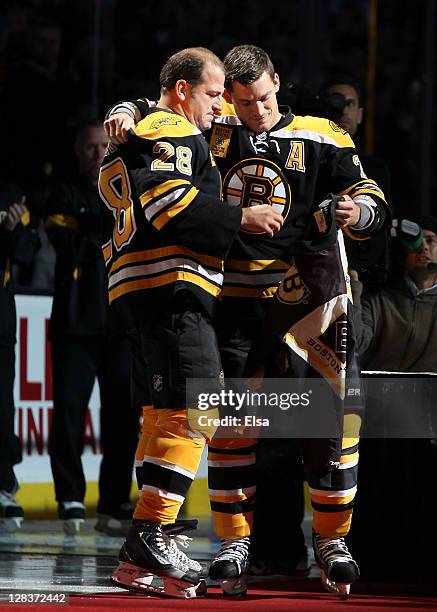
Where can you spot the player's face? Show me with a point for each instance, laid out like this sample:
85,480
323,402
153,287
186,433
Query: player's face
204,101
352,114
425,254
90,150
256,104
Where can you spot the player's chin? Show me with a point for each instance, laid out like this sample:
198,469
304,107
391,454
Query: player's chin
208,122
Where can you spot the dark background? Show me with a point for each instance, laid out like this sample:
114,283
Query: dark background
110,50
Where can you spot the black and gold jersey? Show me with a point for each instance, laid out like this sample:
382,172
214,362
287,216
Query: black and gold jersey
292,167
166,226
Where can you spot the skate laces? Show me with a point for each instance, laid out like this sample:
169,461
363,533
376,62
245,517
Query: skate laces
236,550
180,557
332,550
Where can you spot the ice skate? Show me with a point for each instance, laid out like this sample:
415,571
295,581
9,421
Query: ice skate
231,565
338,568
72,515
11,514
178,539
151,552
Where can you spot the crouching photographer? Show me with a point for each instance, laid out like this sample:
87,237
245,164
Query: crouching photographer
395,327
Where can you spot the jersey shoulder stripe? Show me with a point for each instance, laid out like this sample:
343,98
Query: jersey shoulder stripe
316,129
364,187
164,124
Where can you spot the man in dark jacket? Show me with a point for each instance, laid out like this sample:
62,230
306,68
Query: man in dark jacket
18,243
396,328
83,350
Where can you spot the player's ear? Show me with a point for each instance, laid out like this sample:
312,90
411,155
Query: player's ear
227,96
276,82
181,89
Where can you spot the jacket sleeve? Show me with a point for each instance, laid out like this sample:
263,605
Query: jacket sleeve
69,230
364,320
23,242
20,244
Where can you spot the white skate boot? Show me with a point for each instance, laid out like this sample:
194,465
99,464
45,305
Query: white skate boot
338,568
151,551
230,566
11,514
72,515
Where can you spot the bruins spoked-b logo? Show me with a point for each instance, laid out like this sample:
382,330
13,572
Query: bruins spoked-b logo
256,181
292,289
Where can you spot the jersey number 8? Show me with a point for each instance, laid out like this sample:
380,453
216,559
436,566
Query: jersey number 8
115,191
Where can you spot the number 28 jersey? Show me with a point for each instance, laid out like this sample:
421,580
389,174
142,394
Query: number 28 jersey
166,227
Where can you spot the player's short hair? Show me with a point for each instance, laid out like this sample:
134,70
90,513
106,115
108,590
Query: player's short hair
343,79
428,222
188,64
245,64
84,125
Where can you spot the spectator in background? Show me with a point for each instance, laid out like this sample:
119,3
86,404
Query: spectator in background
350,117
396,328
83,350
342,95
18,244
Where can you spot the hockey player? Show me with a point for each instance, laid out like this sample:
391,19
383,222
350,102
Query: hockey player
168,234
266,154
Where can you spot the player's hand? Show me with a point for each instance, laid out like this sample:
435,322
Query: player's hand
263,219
347,212
353,274
15,213
117,127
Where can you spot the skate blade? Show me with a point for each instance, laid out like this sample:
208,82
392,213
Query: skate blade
134,578
72,526
177,588
12,524
234,587
341,589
